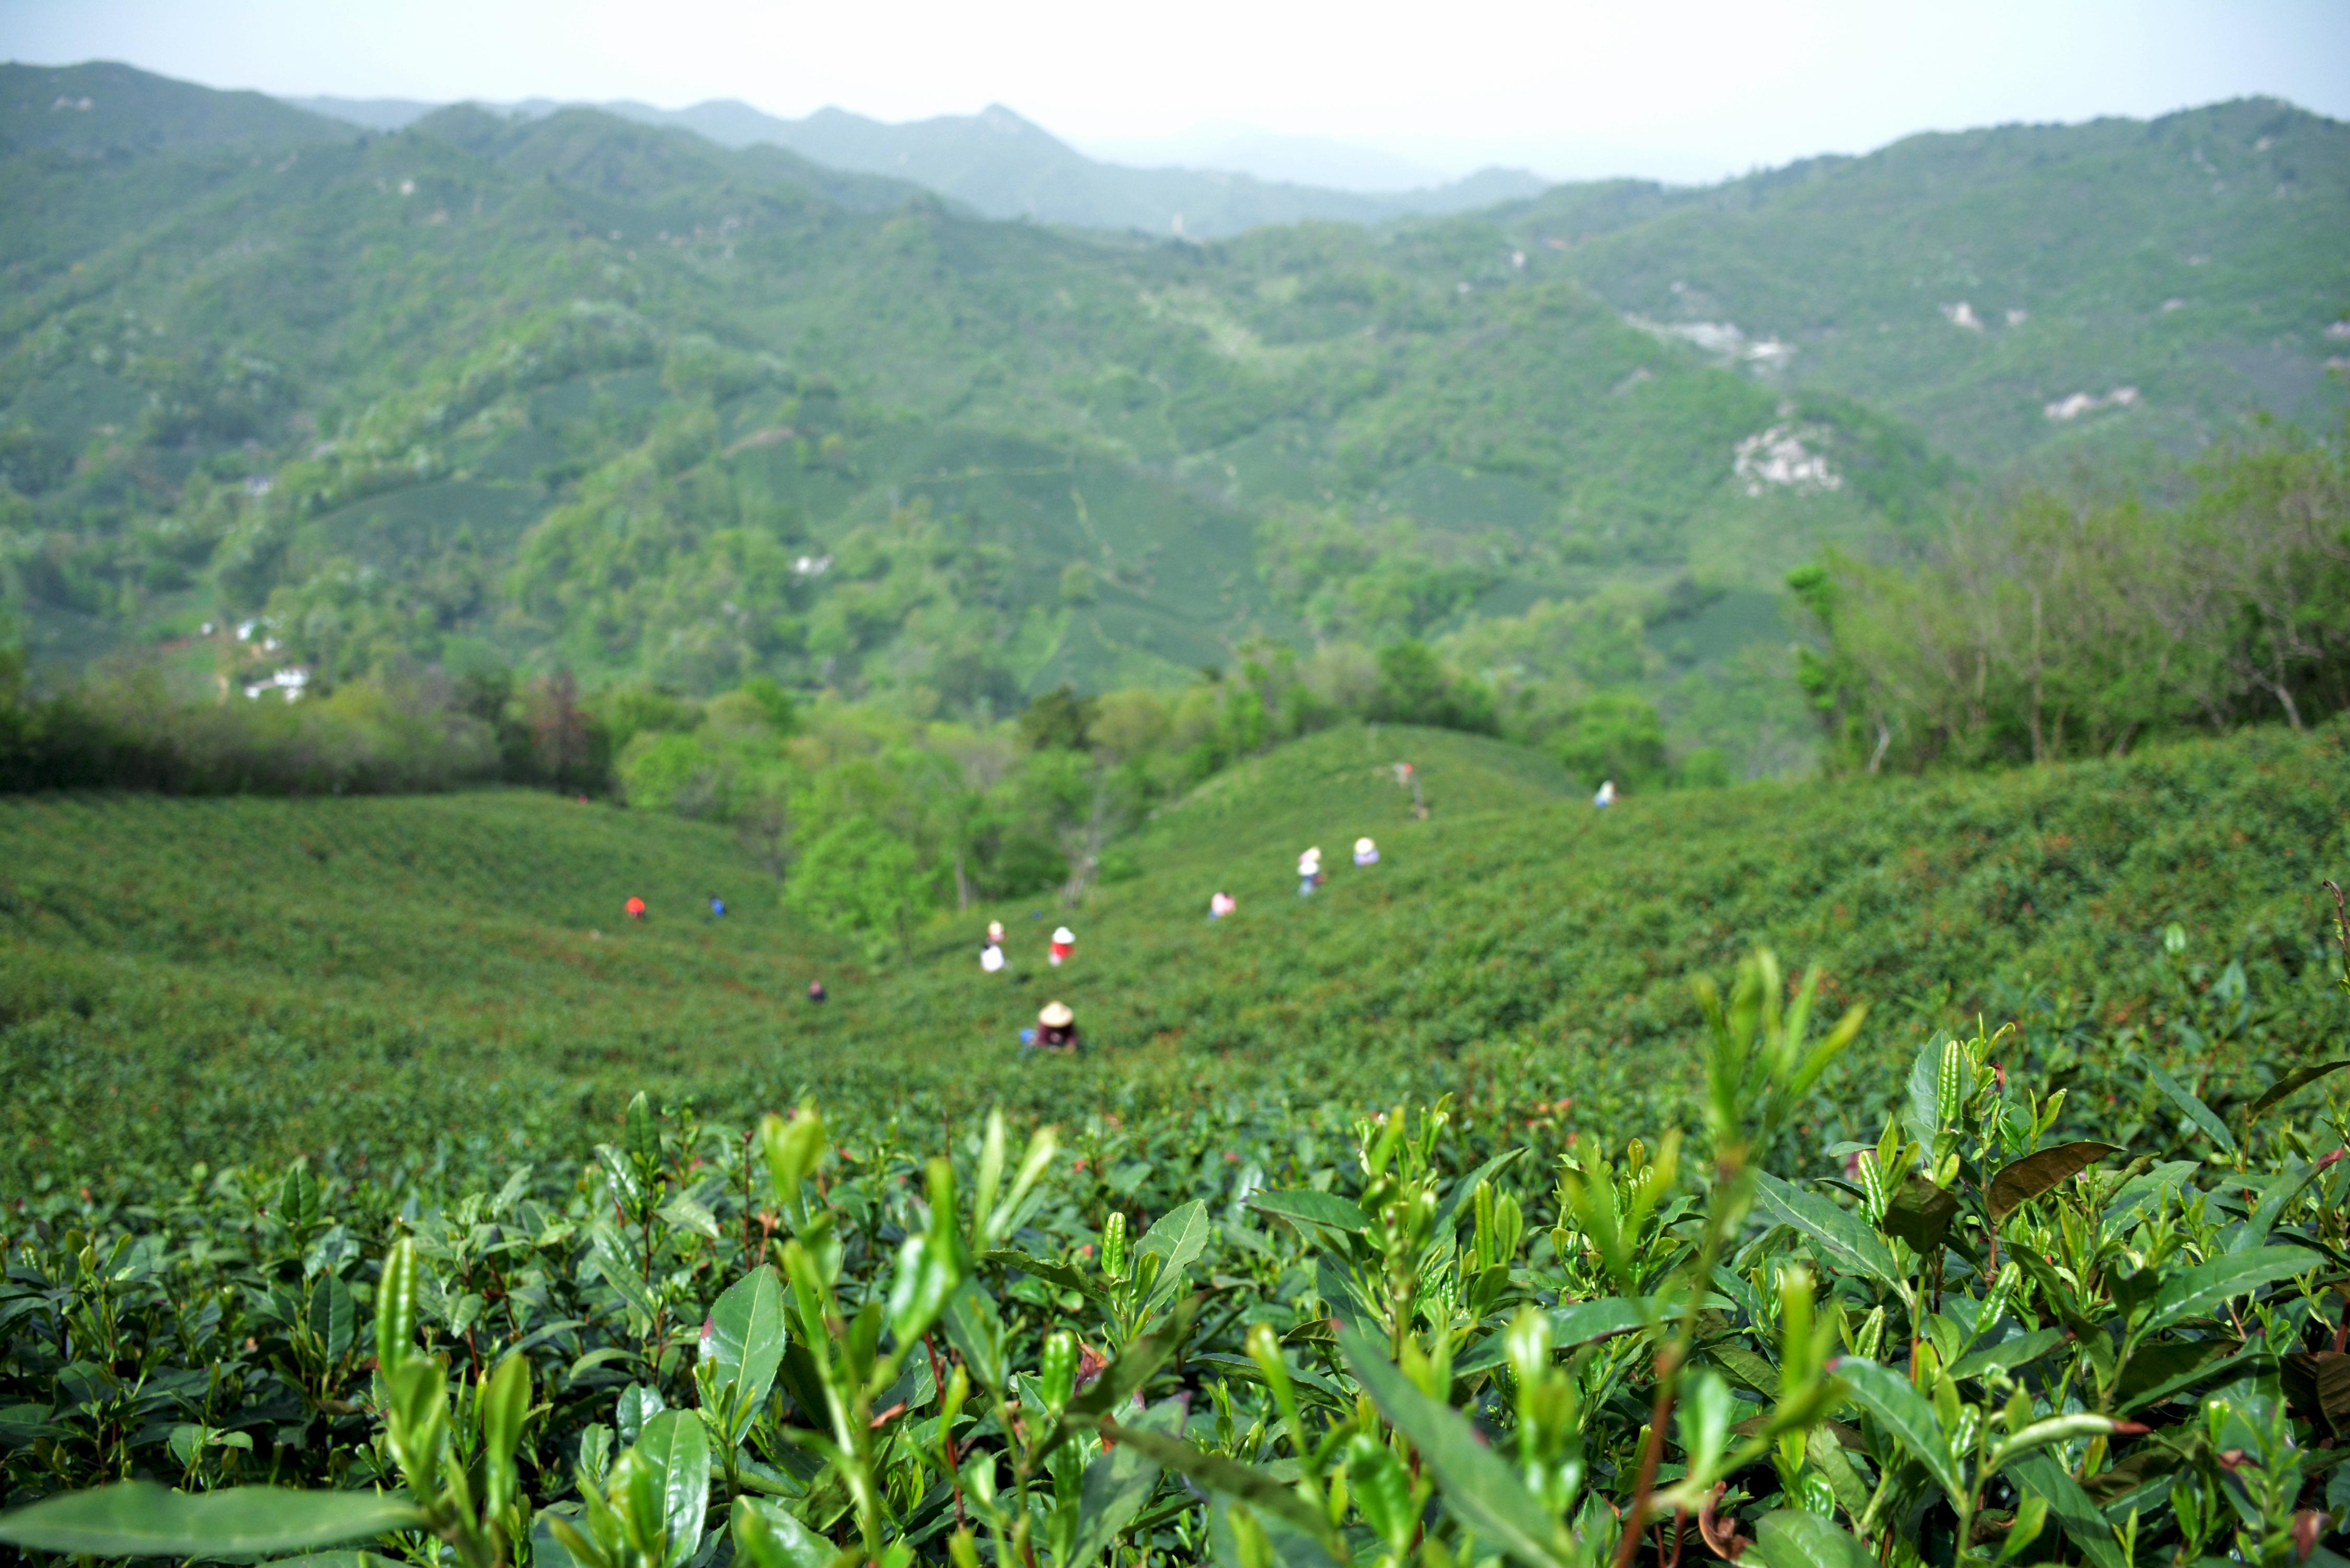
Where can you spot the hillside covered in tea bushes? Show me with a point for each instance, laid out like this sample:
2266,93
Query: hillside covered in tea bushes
451,978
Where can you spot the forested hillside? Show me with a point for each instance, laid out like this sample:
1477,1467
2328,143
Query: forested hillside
2029,289
581,393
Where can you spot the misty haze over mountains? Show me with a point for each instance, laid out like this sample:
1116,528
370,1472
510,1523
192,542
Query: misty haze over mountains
1003,166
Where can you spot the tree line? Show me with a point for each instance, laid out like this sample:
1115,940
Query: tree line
2051,626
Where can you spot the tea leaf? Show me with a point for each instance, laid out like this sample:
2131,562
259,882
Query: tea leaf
2041,1434
1905,1414
619,1267
1462,1188
1118,1483
1844,1238
2042,1171
1179,1236
975,1329
1313,1208
1920,1213
2292,1082
2202,1114
2318,1385
2009,1353
1477,1483
141,1519
643,1135
675,1445
2280,1196
768,1536
1798,1538
746,1334
1577,1323
2040,1476
2193,1293
1063,1276
1251,1485
334,1317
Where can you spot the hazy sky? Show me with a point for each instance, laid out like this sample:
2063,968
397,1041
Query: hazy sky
1679,91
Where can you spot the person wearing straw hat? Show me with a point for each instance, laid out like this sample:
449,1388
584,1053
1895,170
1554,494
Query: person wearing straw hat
1057,1029
1366,852
1065,942
1309,871
1221,905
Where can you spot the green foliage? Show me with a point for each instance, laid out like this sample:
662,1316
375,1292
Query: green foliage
794,1342
571,393
1615,736
460,977
1414,689
1059,720
2050,630
2116,253
861,877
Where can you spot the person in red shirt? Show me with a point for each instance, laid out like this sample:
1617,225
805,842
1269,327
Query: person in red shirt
636,908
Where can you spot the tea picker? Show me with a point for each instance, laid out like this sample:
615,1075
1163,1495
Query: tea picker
1222,904
636,908
1064,943
1055,1030
1309,872
1366,852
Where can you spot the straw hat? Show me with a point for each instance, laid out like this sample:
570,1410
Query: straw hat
1063,935
1364,847
995,930
1057,1015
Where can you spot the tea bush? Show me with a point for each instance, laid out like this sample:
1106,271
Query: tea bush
1443,1335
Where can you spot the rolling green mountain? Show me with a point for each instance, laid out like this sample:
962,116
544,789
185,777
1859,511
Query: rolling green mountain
571,390
570,387
1003,166
2004,289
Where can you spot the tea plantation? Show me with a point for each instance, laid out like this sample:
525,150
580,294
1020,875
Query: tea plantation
452,977
307,1245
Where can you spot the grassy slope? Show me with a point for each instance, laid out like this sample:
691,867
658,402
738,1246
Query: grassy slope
202,979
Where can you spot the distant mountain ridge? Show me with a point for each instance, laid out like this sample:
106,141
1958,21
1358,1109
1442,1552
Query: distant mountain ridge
1003,166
